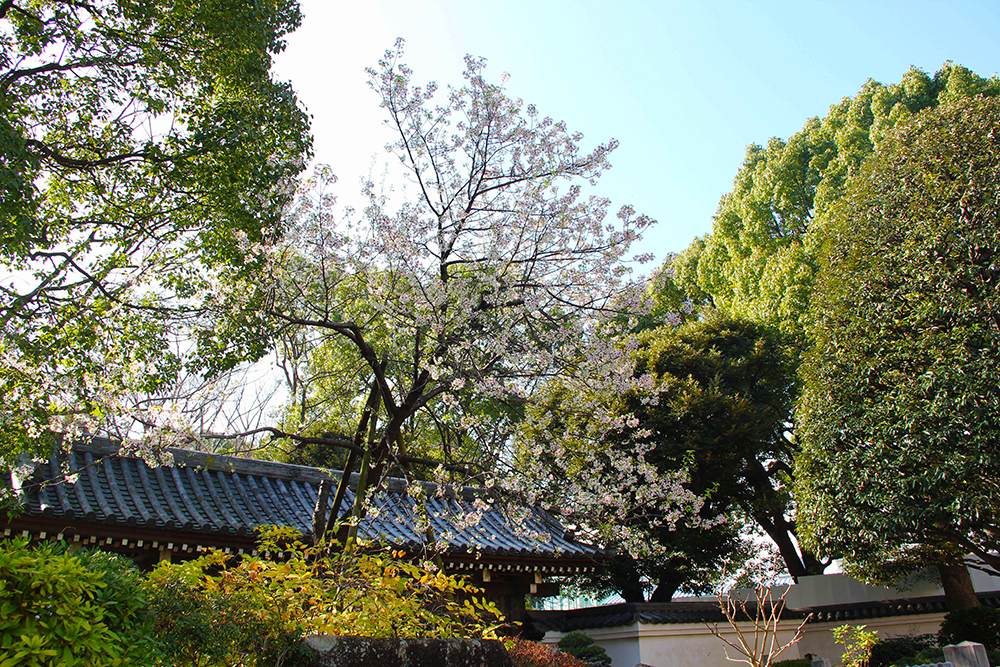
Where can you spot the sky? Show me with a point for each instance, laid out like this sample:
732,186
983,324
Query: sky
683,86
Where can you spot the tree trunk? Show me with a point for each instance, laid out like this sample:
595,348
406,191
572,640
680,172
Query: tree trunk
813,565
632,592
783,540
665,589
957,585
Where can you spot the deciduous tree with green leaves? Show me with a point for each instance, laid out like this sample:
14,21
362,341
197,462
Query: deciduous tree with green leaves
899,418
760,260
143,146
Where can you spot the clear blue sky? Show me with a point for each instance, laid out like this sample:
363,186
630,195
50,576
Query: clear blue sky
684,86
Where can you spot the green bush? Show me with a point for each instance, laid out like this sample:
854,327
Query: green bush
218,609
797,662
582,646
926,656
976,624
196,625
95,609
892,649
63,608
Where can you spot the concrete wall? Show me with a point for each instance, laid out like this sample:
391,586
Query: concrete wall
674,645
818,638
693,645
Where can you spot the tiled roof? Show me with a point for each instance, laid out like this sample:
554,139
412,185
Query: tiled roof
882,608
628,613
610,616
213,495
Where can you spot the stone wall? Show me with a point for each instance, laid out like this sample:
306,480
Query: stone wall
371,652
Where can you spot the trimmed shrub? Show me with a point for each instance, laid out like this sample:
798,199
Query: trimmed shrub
927,656
797,662
581,645
976,624
891,649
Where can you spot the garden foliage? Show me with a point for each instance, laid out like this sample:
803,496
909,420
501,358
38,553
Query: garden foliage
59,607
310,589
858,644
892,649
976,624
582,646
524,653
63,608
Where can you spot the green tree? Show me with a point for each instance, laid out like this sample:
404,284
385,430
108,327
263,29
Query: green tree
708,413
690,557
725,389
760,260
143,146
899,418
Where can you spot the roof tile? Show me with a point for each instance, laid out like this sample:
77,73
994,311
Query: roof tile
224,495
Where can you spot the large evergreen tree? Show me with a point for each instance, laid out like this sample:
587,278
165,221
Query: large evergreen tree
761,259
901,415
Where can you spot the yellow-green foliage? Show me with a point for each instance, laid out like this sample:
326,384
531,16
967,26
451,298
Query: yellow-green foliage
56,608
857,642
308,589
94,609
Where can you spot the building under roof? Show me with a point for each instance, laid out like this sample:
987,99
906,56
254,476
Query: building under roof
202,501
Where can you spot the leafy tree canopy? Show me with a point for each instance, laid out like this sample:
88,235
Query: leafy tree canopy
900,419
707,413
760,260
143,145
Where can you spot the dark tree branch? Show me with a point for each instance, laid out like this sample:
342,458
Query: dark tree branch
75,163
278,433
14,75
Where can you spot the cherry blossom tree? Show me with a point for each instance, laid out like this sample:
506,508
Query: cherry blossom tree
493,275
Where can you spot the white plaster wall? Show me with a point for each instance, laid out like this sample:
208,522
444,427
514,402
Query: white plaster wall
621,643
818,638
693,645
984,583
828,589
673,645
